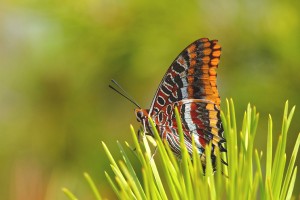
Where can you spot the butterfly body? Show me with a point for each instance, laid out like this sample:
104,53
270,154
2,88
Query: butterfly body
190,85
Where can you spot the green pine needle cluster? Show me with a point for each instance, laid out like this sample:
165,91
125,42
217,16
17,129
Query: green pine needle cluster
243,178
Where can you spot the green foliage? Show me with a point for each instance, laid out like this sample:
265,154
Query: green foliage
57,58
244,178
92,185
69,194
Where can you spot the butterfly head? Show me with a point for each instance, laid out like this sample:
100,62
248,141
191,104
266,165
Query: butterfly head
141,114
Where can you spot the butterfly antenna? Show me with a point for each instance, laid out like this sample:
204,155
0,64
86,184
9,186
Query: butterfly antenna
125,95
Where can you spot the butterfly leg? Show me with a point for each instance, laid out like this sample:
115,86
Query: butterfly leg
144,126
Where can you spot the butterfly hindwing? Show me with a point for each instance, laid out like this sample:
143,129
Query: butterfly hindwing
200,119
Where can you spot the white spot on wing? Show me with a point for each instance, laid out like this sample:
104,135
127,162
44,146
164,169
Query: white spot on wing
188,118
196,138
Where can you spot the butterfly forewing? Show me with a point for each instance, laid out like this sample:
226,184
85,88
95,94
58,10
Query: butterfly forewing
192,75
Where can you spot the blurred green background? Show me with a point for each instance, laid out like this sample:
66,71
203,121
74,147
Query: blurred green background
57,59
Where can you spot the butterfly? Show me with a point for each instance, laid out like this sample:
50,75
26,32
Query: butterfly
190,85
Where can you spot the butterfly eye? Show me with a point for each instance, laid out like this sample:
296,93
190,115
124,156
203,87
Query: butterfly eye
139,115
